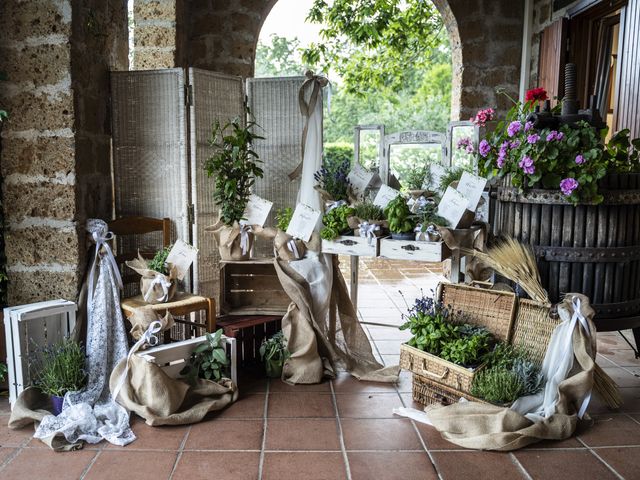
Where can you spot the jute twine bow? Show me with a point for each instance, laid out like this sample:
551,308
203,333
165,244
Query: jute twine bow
318,82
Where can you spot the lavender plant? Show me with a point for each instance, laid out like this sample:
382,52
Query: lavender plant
333,180
59,368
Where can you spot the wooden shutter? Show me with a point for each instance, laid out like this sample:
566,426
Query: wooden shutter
552,59
628,103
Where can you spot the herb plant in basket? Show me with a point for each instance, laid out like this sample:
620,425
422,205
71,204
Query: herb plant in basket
368,220
158,279
333,183
234,166
59,369
208,360
336,222
401,220
273,352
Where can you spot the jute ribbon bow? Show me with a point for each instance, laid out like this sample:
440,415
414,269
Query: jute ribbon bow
317,82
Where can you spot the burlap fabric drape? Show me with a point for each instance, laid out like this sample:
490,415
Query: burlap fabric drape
487,427
320,345
155,287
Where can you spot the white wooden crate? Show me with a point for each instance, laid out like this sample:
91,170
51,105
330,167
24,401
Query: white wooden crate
413,250
173,357
356,246
33,326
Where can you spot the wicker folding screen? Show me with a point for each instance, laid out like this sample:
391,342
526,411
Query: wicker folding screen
274,105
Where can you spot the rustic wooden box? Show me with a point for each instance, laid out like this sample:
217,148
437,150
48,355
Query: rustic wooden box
413,250
356,246
27,327
251,287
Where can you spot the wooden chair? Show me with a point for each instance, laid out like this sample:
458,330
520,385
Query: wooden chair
183,304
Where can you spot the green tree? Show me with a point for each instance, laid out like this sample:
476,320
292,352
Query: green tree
280,58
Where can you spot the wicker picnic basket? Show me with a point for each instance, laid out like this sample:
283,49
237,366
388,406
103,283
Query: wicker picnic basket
430,392
491,309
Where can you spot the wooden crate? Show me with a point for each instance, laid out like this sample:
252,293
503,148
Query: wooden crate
172,357
351,245
251,288
250,331
413,250
27,327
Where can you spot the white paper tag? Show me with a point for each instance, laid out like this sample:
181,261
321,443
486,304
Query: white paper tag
471,186
181,256
303,222
257,210
432,181
360,179
452,206
385,195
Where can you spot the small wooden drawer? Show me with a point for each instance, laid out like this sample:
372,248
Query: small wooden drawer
412,250
356,246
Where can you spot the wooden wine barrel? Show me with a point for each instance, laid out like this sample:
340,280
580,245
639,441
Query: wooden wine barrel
590,249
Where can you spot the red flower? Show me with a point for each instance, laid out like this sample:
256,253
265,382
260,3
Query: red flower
536,94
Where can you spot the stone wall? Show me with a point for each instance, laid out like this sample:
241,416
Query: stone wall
55,145
157,29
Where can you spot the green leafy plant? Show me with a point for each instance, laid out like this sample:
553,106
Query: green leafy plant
273,353
429,322
159,261
368,211
335,222
3,371
283,218
208,360
333,180
415,176
497,385
399,215
234,166
452,174
467,350
427,215
59,368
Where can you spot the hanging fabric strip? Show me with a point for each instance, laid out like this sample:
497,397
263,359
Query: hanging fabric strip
291,245
101,238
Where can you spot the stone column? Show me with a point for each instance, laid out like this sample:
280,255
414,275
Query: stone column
55,145
156,33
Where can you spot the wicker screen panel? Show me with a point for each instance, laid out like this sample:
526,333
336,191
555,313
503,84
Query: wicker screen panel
150,168
274,104
214,97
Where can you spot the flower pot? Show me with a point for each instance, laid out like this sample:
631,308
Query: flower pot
56,402
403,236
273,369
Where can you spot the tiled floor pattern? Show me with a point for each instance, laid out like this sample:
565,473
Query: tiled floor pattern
344,429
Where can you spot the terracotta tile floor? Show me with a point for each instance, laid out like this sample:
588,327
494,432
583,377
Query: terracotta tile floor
344,429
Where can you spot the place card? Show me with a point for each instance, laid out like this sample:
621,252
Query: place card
257,210
433,180
453,206
360,179
385,195
471,186
303,222
181,256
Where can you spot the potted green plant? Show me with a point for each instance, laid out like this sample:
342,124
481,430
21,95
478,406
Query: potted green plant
158,279
401,220
336,222
428,222
59,368
208,360
333,183
273,352
234,166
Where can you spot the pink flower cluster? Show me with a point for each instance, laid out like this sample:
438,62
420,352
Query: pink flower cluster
513,128
483,116
568,185
527,165
484,148
466,144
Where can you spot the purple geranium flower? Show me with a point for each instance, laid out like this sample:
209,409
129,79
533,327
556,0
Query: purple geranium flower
568,185
528,126
554,135
514,144
580,159
527,165
513,128
484,148
533,138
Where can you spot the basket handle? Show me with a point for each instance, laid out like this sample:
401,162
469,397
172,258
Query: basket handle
427,373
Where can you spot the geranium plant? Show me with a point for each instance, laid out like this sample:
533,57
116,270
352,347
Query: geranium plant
571,158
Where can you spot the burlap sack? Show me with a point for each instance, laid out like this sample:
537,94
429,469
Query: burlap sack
488,427
143,317
288,248
162,400
155,287
229,240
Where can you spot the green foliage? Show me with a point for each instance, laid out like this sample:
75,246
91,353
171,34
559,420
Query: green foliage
453,174
467,350
337,154
431,328
497,385
335,222
279,58
3,371
234,166
159,261
399,215
60,368
208,360
334,181
368,211
283,217
273,353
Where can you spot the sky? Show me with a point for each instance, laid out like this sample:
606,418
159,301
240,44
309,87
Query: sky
287,20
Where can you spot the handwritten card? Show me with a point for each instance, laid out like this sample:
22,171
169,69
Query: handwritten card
303,222
385,195
453,206
433,180
471,186
257,210
360,179
181,256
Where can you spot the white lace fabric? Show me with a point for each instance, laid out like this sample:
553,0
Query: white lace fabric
91,414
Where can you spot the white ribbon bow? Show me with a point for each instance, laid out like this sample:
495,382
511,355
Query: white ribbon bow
333,205
417,205
165,284
149,336
367,230
291,245
245,229
101,242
